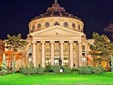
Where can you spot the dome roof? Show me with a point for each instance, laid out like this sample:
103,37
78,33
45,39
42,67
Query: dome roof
55,10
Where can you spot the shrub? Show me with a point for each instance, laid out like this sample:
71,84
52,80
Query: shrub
90,70
55,69
98,70
48,69
31,65
24,70
13,66
9,72
111,64
3,66
28,70
66,69
40,70
1,73
75,70
85,70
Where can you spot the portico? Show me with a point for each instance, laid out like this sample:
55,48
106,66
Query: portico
55,50
57,46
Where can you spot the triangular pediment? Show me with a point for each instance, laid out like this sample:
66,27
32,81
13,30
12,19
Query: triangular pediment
56,31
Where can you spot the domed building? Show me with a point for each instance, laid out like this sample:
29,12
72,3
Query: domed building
56,38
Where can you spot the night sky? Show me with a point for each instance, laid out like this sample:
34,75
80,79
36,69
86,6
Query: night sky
16,14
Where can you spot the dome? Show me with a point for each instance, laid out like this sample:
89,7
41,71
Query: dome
56,15
55,10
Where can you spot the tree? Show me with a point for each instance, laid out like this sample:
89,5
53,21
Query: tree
14,42
102,47
4,67
14,65
109,28
112,63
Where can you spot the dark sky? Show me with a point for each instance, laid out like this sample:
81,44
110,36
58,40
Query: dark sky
16,14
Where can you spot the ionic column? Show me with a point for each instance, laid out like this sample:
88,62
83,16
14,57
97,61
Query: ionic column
62,52
34,53
80,53
71,54
52,52
43,54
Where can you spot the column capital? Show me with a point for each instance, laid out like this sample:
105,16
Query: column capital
71,41
42,41
52,41
34,42
79,41
61,41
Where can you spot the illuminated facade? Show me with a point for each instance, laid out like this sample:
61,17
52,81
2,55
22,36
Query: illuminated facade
56,38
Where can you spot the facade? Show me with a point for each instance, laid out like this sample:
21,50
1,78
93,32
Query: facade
57,38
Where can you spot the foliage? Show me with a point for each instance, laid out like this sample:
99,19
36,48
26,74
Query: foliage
85,70
75,70
102,48
10,72
112,63
15,41
48,69
98,70
28,70
55,69
31,65
66,69
90,70
40,70
1,73
14,66
109,28
4,67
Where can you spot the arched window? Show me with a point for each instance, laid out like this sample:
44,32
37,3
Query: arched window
33,28
79,27
39,26
65,24
73,25
47,24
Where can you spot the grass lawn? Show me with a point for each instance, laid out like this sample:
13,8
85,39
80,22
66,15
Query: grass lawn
57,79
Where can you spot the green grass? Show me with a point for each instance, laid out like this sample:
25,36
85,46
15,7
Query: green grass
57,79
